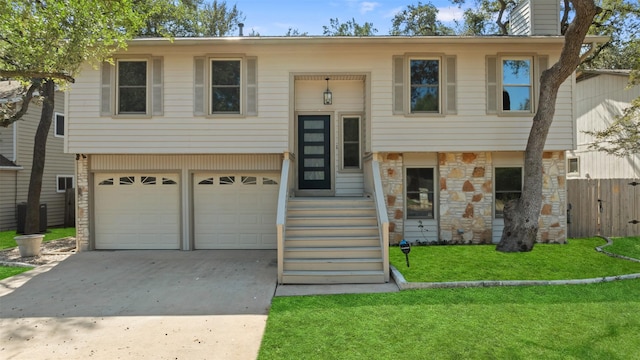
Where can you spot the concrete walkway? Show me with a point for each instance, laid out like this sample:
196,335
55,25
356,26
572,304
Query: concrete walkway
140,305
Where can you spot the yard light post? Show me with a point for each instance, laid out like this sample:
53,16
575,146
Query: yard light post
406,249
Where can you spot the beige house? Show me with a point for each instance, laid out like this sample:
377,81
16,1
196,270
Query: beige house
327,149
16,155
601,95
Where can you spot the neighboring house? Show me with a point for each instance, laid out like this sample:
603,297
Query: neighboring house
16,155
325,148
601,95
603,189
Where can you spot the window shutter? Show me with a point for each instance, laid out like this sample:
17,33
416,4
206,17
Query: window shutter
252,86
199,101
451,85
492,84
157,87
105,89
398,84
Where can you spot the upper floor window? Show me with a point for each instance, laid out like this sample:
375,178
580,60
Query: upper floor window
225,86
424,85
58,124
132,87
512,83
516,84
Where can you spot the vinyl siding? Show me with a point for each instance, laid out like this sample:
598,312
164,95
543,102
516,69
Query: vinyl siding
178,131
56,162
520,19
234,162
536,17
7,199
6,142
599,100
546,17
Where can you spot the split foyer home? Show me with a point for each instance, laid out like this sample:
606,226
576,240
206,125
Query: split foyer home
16,156
327,149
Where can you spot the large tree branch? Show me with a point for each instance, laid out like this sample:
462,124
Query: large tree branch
36,75
26,100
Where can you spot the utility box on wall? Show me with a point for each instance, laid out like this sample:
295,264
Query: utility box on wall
22,216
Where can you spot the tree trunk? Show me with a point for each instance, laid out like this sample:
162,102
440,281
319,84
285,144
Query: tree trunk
32,221
521,216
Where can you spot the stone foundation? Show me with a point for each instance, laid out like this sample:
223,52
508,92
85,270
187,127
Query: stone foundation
465,190
466,197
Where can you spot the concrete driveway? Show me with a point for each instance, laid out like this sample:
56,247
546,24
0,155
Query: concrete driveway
203,304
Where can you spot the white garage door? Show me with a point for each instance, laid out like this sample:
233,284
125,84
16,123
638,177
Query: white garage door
235,211
137,211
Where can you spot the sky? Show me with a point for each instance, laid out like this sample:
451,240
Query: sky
275,17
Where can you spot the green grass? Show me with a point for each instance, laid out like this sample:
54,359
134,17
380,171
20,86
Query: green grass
6,237
575,260
8,271
598,321
629,247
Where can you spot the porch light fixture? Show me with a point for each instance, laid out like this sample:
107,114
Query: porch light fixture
328,96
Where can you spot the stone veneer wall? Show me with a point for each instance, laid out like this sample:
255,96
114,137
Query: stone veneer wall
82,203
465,211
391,168
466,197
552,225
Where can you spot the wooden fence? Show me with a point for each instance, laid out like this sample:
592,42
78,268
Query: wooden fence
608,207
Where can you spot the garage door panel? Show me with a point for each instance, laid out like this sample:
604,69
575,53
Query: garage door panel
237,215
137,211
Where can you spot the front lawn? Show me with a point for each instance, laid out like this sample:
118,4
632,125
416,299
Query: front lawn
629,247
575,260
6,237
8,271
597,321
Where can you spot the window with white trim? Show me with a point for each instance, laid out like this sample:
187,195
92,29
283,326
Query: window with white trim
132,86
64,182
419,191
508,186
573,166
512,83
424,84
225,86
351,143
58,125
517,79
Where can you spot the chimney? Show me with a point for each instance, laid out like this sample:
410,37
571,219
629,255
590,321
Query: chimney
240,26
535,17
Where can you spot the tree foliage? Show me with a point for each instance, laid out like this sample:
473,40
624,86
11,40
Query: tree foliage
349,28
188,18
43,44
419,20
622,137
486,17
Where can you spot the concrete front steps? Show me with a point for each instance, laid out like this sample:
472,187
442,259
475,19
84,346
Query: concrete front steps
332,240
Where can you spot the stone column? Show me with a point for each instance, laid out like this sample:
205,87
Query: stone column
82,203
392,186
466,197
552,225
